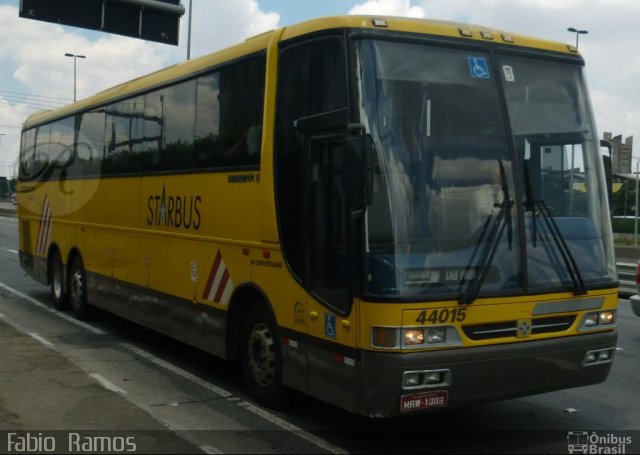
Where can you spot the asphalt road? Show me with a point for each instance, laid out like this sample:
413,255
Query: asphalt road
112,377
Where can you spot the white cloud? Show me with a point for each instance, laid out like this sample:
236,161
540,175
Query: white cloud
389,8
221,23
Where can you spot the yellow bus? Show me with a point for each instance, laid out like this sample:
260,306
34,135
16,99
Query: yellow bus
391,215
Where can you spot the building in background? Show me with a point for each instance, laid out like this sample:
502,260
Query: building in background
621,153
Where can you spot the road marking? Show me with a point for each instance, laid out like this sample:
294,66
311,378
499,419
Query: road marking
44,341
41,305
104,382
177,370
26,331
210,450
291,427
10,251
321,443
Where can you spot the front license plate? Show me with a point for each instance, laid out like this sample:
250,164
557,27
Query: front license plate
428,400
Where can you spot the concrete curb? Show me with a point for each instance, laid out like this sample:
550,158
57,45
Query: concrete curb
8,212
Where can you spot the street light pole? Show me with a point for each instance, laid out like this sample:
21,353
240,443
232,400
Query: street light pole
1,134
75,56
189,31
578,33
635,225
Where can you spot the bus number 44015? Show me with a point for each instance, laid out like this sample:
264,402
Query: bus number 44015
442,316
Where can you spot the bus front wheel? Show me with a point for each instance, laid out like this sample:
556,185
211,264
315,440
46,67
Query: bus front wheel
261,357
78,290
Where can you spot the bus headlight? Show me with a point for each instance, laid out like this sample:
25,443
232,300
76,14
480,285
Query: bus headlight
606,317
591,320
426,379
412,379
598,357
413,337
597,320
434,377
437,335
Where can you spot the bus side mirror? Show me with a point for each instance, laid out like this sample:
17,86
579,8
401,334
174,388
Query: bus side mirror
608,174
357,169
608,170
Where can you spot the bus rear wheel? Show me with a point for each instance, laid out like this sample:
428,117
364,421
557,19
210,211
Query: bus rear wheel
261,358
78,290
56,282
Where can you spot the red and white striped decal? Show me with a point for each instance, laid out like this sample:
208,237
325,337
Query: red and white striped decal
44,232
219,285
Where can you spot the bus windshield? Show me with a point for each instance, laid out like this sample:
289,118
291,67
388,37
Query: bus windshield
459,204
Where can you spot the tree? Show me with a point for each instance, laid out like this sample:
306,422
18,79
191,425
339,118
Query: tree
623,201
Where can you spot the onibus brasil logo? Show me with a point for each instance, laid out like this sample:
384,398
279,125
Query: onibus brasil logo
597,443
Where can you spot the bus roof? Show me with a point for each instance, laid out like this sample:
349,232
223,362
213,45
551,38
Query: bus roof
427,27
261,42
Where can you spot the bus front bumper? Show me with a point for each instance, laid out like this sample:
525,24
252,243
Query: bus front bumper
481,374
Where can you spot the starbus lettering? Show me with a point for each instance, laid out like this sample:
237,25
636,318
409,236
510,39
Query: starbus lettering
174,211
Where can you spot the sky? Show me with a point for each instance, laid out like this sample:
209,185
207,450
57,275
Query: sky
35,74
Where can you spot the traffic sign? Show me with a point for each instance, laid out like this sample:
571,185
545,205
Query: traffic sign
152,20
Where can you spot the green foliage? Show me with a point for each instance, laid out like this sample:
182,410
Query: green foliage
623,200
623,226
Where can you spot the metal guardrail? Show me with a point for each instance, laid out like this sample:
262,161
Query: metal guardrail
627,278
8,209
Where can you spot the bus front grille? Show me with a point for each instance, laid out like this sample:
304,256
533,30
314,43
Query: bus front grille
510,328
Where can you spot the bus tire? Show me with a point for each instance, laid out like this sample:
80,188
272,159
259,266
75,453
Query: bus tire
80,307
56,282
261,358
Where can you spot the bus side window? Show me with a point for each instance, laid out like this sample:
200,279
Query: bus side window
27,154
207,128
241,101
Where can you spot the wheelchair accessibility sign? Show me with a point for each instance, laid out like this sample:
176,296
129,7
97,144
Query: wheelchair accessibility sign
329,325
478,67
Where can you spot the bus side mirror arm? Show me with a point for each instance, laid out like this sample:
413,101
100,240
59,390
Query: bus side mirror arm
358,169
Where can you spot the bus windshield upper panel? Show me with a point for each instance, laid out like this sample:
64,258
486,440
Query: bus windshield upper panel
443,216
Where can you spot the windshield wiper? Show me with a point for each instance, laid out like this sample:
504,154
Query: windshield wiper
579,288
539,206
502,221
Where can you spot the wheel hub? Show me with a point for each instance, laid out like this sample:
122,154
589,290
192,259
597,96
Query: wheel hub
261,355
